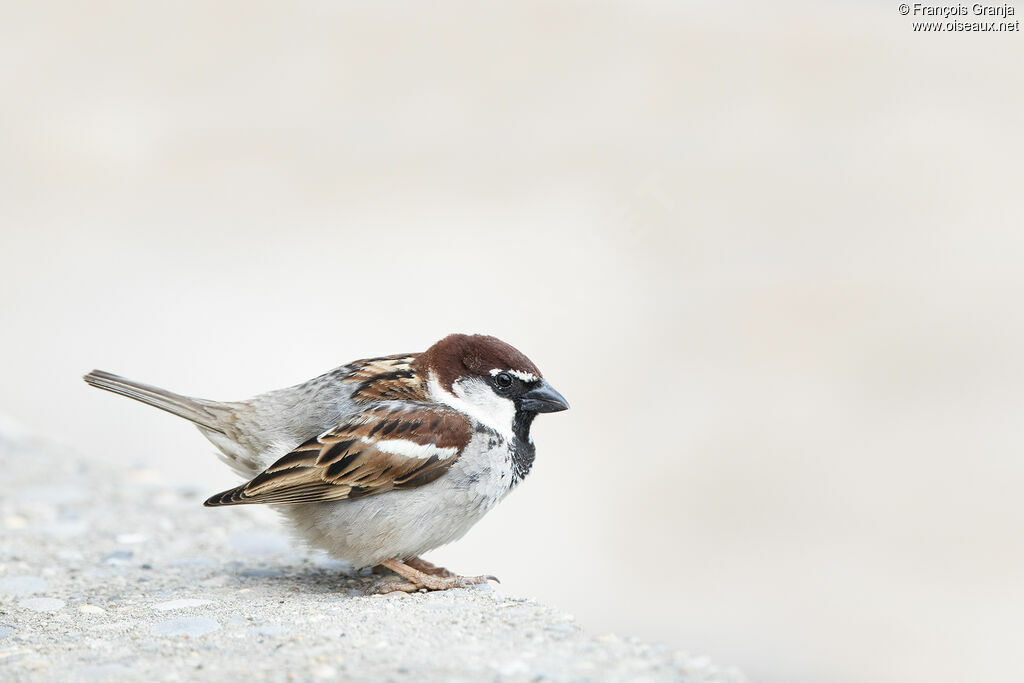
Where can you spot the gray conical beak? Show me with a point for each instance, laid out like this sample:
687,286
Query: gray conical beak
543,399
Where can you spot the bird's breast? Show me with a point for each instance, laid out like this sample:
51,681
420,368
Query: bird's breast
486,471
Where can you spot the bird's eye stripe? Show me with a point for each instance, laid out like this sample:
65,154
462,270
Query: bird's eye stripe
525,376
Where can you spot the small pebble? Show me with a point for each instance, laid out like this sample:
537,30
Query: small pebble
15,522
144,476
128,539
325,671
91,609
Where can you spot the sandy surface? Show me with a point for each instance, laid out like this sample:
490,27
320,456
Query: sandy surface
113,575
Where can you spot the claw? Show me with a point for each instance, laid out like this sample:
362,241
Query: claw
438,579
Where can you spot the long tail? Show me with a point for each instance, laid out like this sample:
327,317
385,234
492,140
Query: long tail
176,404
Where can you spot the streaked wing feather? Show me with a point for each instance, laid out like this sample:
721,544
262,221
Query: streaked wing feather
383,449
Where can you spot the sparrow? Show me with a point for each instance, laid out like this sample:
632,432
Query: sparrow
382,459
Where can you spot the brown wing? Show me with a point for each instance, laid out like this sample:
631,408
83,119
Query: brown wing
380,450
389,378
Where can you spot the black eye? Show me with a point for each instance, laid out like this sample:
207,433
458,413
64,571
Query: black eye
503,380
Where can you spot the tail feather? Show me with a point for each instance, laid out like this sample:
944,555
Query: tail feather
176,404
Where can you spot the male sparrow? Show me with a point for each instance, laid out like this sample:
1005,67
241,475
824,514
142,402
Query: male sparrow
383,459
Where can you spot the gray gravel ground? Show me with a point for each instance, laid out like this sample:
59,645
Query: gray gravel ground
114,576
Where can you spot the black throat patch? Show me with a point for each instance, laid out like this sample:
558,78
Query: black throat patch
523,450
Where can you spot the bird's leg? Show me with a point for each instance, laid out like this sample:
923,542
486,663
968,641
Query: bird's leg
427,567
416,579
416,563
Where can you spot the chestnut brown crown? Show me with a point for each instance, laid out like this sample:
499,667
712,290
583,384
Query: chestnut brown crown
458,355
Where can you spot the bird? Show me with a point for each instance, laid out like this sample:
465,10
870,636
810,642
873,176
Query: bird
383,459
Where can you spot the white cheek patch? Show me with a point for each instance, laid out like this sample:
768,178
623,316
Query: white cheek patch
475,398
411,449
525,376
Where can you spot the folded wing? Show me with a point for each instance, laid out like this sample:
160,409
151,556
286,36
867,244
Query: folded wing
379,450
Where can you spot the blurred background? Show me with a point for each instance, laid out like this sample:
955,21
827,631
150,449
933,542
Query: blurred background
771,253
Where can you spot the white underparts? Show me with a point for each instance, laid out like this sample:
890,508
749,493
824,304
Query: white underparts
411,449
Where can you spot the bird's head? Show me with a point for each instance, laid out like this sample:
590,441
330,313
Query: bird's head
489,380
